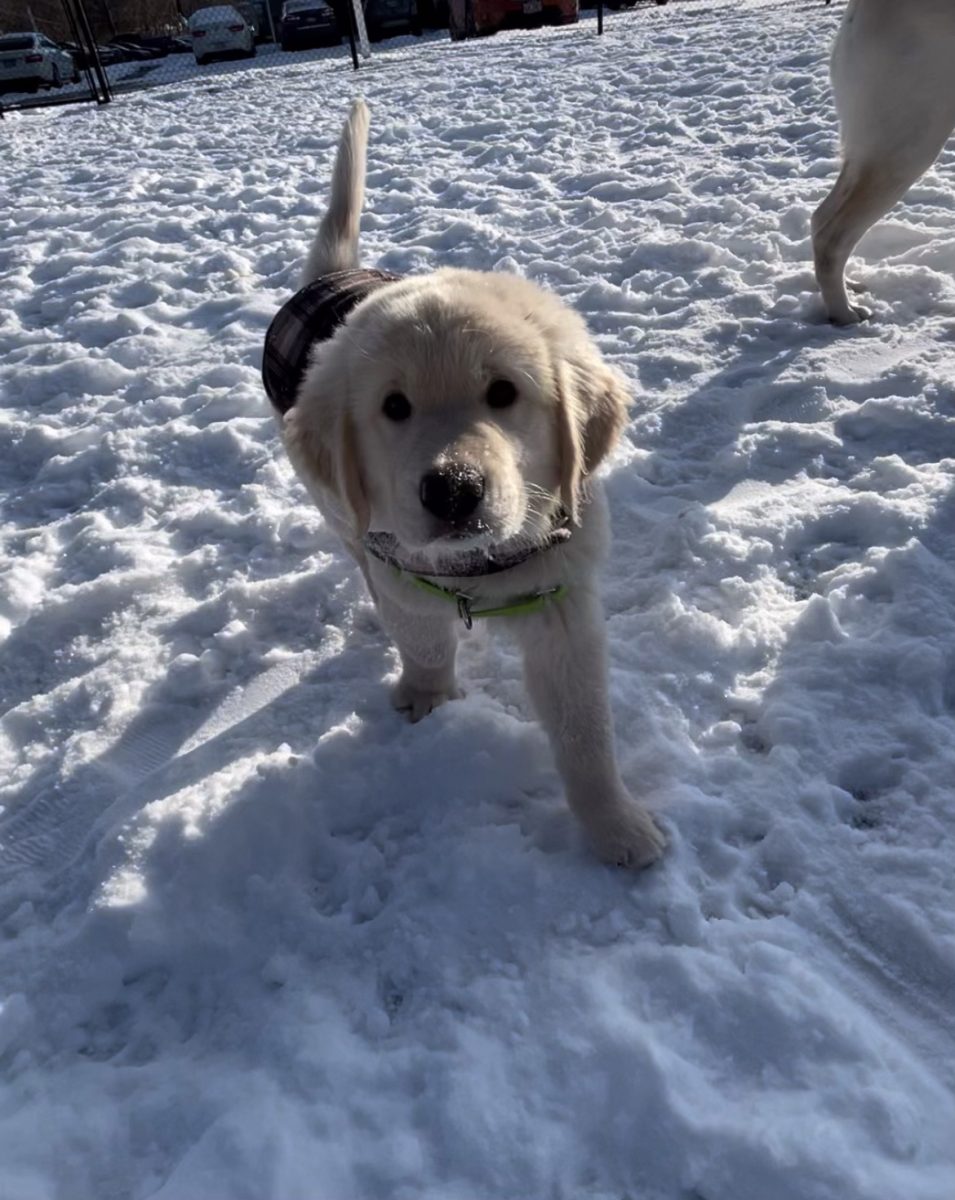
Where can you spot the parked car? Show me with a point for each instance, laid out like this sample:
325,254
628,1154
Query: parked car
165,43
387,18
133,50
29,61
433,14
108,55
617,5
256,13
477,18
308,23
220,31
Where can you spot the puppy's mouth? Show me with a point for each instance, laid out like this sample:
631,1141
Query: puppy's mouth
483,536
483,531
474,547
463,537
443,541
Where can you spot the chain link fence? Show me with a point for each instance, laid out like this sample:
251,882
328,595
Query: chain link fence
59,51
48,55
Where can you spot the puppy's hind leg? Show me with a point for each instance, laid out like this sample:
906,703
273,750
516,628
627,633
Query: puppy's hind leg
861,195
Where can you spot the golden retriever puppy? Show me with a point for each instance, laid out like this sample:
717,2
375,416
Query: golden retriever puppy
447,426
893,77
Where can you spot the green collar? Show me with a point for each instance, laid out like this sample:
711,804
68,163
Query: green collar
523,606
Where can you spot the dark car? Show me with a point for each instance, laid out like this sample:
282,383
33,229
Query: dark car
134,50
308,23
109,56
386,18
156,45
433,14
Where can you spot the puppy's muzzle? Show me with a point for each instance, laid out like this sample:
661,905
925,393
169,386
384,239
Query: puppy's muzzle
452,493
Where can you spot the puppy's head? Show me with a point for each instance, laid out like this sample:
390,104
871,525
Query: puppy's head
456,410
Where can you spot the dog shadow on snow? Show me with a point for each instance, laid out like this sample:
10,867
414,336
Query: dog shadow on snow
695,446
294,829
176,740
313,737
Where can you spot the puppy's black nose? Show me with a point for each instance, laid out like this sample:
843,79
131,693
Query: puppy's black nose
453,492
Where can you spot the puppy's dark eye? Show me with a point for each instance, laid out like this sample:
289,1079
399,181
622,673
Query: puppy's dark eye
501,393
396,407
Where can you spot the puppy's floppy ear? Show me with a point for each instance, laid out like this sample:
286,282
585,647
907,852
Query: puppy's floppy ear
323,448
591,414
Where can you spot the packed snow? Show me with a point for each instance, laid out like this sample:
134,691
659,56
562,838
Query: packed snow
262,939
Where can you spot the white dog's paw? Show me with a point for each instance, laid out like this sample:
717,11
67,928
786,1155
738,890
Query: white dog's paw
628,837
852,314
416,701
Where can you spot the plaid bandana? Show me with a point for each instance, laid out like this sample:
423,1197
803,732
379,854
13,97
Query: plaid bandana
312,315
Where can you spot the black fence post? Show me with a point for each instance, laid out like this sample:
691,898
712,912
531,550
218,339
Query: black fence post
600,17
351,33
98,79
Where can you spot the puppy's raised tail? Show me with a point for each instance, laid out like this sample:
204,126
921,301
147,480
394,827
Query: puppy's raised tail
336,244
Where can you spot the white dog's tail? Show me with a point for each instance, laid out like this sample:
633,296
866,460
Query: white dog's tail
336,244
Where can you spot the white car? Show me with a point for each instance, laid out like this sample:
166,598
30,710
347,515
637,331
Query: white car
29,61
220,30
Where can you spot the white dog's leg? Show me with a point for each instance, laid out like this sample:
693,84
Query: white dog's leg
859,198
566,671
427,647
894,87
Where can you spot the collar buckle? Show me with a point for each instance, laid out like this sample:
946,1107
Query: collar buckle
464,609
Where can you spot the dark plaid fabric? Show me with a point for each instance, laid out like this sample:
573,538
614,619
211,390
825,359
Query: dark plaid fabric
312,315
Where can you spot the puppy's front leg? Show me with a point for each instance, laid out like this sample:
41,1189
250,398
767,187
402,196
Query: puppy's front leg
427,646
566,671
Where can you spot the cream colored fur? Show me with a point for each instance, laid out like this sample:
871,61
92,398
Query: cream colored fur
441,340
893,77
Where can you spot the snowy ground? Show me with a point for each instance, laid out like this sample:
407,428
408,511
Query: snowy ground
260,939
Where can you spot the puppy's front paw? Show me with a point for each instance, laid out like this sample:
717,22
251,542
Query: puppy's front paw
627,837
417,701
